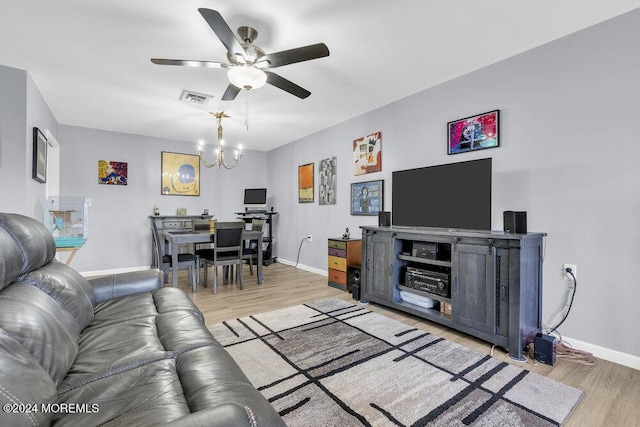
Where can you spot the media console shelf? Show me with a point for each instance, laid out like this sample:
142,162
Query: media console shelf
491,280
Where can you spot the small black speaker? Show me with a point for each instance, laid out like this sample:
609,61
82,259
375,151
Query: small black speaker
544,349
353,279
384,219
515,222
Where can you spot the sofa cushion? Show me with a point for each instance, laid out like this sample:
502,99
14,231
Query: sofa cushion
10,259
41,326
67,287
110,350
35,243
163,300
147,395
22,381
210,377
130,339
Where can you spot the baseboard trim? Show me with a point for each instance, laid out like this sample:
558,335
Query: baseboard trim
304,267
614,356
112,271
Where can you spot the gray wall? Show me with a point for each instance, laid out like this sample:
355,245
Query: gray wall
569,148
119,236
21,108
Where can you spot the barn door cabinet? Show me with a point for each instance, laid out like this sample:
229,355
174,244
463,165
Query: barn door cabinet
494,279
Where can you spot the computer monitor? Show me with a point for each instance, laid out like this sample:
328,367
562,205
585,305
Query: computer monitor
255,199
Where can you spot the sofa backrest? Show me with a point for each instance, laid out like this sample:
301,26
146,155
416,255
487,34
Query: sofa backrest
46,331
32,240
23,381
44,304
27,253
10,260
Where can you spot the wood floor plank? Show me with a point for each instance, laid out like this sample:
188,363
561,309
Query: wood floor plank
611,391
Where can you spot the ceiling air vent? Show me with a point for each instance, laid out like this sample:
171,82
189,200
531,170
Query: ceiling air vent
195,98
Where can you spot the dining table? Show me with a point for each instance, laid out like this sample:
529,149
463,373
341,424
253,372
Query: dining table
175,238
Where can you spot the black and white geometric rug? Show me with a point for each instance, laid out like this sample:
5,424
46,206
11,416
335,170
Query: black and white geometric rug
332,363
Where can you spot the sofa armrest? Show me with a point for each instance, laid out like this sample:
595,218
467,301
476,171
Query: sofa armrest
224,415
121,284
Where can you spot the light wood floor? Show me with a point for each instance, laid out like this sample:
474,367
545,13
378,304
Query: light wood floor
611,391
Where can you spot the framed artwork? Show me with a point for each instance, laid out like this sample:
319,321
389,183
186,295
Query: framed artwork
305,183
367,154
112,173
474,133
39,167
180,174
367,198
328,178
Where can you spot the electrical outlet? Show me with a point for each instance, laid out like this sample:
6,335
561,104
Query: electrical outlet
310,238
574,270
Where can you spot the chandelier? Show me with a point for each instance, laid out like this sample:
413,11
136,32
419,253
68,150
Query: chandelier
220,150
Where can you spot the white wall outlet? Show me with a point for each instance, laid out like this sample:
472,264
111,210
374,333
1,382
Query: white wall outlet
574,270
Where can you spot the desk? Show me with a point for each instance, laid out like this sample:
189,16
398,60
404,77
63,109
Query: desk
175,238
268,256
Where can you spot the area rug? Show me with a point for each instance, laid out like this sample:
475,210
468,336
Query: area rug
332,363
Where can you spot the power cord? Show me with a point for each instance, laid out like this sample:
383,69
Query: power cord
573,294
299,249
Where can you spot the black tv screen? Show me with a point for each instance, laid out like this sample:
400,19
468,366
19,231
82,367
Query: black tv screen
255,196
454,195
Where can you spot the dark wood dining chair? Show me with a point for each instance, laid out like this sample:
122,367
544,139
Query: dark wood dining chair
250,252
226,251
187,261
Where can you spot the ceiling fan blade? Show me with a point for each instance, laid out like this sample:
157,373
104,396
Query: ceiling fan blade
299,54
190,63
222,30
231,93
286,85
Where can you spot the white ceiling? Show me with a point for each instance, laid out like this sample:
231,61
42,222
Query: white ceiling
91,59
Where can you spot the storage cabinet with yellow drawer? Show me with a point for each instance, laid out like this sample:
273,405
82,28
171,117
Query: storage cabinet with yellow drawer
342,254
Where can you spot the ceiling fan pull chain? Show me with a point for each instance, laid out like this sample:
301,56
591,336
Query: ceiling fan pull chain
246,109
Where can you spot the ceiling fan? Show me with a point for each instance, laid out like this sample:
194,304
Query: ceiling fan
249,66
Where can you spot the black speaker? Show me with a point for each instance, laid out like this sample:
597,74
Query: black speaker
384,219
515,222
353,280
544,349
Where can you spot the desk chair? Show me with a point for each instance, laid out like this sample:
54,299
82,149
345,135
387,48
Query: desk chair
163,261
250,252
226,252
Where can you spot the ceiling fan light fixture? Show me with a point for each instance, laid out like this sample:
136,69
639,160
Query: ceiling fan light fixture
247,77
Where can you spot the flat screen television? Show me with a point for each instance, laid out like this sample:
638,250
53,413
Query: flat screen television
255,198
454,195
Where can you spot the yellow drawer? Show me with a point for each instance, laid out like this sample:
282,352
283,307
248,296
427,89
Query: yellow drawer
337,263
337,244
338,276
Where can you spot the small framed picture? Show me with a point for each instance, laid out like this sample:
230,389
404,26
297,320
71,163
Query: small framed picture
328,178
305,183
474,133
39,169
367,198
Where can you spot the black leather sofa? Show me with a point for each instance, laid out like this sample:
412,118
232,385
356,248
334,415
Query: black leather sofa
117,350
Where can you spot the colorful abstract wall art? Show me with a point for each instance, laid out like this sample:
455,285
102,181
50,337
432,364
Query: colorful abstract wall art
180,174
367,154
474,133
305,183
112,173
